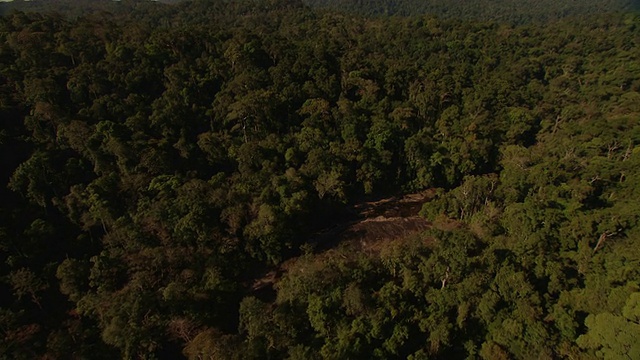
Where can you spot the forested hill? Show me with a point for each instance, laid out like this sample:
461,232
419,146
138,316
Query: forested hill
155,162
509,11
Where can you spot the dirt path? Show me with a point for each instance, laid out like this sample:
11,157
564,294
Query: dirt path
377,222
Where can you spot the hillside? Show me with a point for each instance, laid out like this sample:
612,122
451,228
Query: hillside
157,162
508,11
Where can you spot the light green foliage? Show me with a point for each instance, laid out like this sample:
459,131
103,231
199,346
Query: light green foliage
611,336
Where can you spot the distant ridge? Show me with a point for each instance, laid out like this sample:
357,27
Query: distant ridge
72,7
513,11
510,11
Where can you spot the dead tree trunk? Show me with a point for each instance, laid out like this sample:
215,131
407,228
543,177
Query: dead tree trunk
445,278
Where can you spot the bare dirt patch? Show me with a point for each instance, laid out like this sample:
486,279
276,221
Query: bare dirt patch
377,223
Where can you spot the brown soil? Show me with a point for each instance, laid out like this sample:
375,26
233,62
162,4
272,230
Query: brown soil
377,223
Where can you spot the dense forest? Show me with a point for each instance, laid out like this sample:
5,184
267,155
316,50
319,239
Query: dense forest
156,159
511,11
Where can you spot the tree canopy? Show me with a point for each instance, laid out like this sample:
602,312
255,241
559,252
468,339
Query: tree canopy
157,159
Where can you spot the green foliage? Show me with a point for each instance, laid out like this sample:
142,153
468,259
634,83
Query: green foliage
517,12
156,158
613,336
